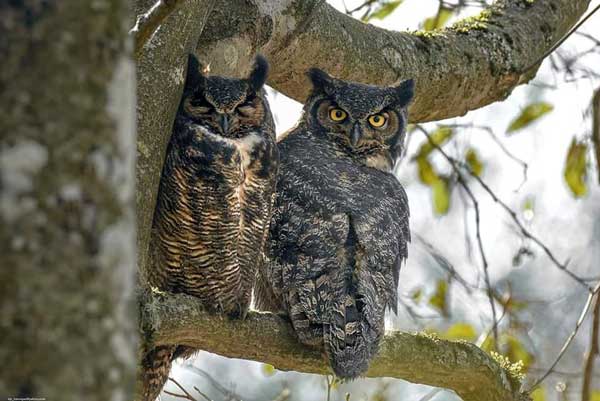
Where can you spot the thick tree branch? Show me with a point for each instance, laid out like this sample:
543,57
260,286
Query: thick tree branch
147,23
458,69
264,337
161,73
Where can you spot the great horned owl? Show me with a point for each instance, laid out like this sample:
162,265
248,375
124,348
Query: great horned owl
339,230
214,200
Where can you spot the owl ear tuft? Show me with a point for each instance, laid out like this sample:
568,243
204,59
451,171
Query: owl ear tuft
259,73
194,76
320,79
405,92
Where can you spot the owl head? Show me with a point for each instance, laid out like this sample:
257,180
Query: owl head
227,106
365,120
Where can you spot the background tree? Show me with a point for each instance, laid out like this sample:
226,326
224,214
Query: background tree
67,228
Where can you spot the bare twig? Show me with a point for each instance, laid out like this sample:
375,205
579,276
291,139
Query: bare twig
569,340
593,353
229,394
456,165
444,263
561,41
284,395
147,23
507,152
466,187
431,395
329,382
186,395
527,234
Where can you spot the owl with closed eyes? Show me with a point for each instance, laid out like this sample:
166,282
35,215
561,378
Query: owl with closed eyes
214,201
339,230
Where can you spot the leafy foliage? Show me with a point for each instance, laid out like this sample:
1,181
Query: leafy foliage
474,162
383,10
575,173
440,136
539,394
268,370
528,115
441,195
439,298
438,21
461,331
439,184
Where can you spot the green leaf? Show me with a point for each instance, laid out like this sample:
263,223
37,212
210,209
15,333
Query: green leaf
417,295
474,162
595,396
576,168
438,21
383,10
529,114
529,204
514,305
268,370
438,299
440,136
427,174
461,331
441,196
488,344
539,394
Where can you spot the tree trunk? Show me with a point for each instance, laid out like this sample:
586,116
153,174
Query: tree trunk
161,74
67,228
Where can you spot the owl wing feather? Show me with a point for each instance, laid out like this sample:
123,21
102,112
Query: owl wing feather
339,234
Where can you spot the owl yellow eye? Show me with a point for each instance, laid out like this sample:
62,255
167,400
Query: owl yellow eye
377,120
337,115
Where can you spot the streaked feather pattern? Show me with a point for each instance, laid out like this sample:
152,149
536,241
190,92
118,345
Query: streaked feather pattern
340,225
214,202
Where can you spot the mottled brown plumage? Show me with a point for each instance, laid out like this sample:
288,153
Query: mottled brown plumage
339,230
214,201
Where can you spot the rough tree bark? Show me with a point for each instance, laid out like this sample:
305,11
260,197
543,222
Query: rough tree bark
465,67
161,74
67,227
264,337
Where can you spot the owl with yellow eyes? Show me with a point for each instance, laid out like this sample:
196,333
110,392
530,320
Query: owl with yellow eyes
339,230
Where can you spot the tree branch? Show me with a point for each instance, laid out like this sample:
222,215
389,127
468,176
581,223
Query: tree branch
161,73
458,69
593,352
147,23
268,338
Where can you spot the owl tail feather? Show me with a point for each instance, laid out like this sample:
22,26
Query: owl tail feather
156,366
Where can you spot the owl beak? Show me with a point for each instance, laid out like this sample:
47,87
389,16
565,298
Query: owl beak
356,134
225,122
